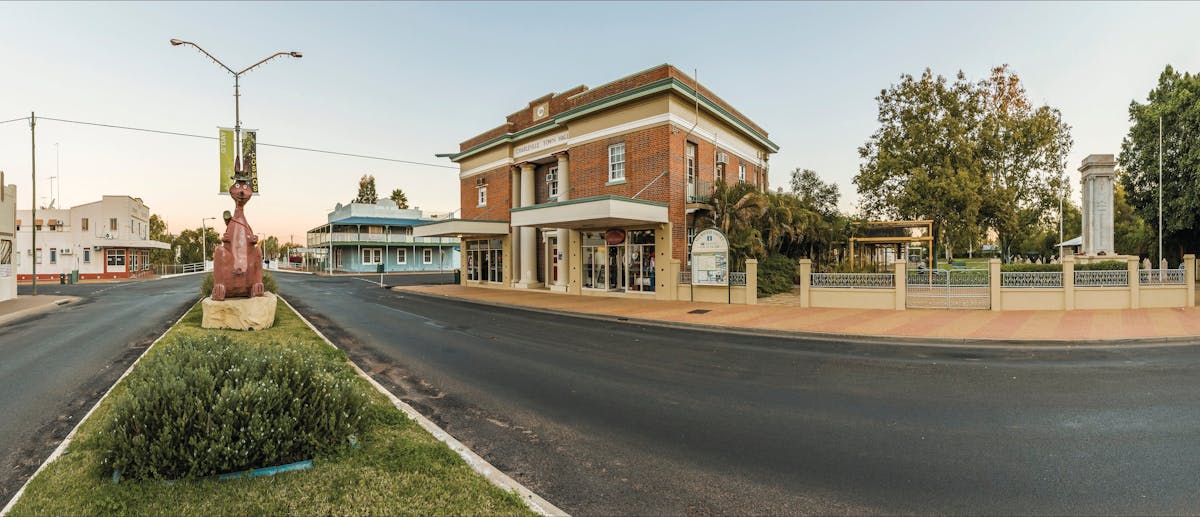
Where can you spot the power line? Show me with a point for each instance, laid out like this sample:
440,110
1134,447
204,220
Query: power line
205,137
14,120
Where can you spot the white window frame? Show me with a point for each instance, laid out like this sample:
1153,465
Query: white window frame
402,255
552,183
87,255
742,172
37,256
690,162
616,162
481,196
427,255
375,255
54,255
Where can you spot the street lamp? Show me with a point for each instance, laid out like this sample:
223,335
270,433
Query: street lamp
204,243
237,125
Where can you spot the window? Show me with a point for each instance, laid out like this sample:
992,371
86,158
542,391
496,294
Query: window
485,260
427,255
87,254
372,256
54,255
53,225
112,224
719,173
482,196
741,172
552,182
402,256
616,162
37,256
83,224
690,163
116,257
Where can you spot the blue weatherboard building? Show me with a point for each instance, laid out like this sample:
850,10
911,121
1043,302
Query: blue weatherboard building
372,238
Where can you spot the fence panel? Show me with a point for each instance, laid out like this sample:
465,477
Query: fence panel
1032,279
1162,276
854,280
954,289
1103,278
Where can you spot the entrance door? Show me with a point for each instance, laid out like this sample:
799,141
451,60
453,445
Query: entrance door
552,260
618,270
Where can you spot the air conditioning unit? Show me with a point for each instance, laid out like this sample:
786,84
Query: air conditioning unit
722,158
97,248
480,182
551,177
66,251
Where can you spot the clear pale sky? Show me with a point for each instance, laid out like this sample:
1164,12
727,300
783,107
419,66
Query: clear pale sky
407,80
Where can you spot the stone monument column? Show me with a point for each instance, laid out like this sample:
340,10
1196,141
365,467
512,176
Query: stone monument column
1097,174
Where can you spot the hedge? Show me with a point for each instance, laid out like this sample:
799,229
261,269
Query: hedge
775,275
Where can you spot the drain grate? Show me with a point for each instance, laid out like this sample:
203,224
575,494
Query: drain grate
699,311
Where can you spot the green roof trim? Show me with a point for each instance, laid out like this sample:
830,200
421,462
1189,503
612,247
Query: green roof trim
588,200
659,86
459,221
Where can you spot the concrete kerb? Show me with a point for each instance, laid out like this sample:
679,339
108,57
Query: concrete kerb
24,313
477,463
58,451
864,339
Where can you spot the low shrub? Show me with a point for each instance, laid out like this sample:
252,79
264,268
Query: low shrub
269,284
207,405
1031,268
775,275
1106,265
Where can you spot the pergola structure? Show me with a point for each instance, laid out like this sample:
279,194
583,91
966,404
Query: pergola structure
897,236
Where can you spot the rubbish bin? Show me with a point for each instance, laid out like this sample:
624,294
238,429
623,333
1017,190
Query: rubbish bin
62,278
379,268
74,276
457,276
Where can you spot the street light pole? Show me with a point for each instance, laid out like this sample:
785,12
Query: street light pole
33,211
237,94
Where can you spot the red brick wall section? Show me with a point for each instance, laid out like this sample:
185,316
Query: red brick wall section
499,199
580,96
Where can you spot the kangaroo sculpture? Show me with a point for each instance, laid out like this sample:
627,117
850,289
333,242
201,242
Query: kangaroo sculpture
237,262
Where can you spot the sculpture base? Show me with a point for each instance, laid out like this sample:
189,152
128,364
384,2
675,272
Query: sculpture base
240,313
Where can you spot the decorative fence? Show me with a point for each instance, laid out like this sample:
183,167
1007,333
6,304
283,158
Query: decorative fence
854,280
1102,279
1162,276
1032,279
685,277
737,278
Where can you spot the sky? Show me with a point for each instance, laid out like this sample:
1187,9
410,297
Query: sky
408,80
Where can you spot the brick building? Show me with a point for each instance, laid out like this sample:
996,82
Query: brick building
596,190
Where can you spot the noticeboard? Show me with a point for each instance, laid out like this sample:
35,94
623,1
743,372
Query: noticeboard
710,258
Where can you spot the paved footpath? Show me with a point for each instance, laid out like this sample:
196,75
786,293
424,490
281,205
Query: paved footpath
1079,327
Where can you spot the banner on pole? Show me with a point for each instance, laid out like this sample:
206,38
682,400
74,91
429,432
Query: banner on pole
227,154
250,157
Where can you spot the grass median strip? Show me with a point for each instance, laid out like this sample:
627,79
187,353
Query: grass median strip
397,468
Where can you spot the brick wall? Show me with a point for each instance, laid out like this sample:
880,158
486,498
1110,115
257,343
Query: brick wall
499,195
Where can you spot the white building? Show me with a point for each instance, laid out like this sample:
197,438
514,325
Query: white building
8,234
109,238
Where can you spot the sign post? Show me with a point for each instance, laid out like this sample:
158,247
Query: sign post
710,259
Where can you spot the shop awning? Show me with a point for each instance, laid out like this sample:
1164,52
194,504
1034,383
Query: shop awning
460,228
591,212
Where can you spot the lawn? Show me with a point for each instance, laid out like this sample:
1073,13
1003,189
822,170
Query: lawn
399,469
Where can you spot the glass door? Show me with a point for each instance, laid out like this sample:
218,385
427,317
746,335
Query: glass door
617,268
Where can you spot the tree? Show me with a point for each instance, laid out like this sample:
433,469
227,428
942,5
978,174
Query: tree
366,190
270,248
190,249
816,194
1131,234
924,161
1176,100
735,211
1023,152
400,199
158,232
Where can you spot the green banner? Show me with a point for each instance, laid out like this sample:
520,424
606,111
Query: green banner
227,154
250,158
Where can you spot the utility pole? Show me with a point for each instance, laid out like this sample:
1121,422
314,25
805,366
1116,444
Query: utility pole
33,211
1160,214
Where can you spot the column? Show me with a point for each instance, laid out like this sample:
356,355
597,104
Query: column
805,281
1135,284
901,276
1068,282
514,262
574,252
560,284
528,243
751,282
1189,278
994,283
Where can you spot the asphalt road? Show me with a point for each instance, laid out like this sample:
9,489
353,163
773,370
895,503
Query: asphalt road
55,365
609,417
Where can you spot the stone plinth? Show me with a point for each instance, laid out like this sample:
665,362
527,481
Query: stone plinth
1097,174
240,313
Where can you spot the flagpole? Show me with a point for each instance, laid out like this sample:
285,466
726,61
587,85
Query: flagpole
1160,167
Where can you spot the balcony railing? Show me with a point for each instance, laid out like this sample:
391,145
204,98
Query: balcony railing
699,191
316,239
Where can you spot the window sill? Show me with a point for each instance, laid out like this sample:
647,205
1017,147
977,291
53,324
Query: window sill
481,206
615,182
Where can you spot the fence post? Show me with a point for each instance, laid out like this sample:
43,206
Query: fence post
1068,282
751,281
994,283
901,286
805,282
673,278
1135,284
1189,278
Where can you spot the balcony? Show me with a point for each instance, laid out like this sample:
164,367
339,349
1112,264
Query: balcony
322,239
699,195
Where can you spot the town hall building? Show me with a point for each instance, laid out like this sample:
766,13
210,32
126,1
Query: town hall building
597,190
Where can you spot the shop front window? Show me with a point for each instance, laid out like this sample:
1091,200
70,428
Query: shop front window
623,262
484,260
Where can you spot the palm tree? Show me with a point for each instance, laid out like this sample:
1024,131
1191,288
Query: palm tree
736,210
400,198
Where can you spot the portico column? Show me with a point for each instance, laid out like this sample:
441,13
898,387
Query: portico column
528,233
515,233
564,194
